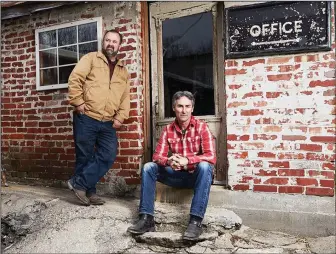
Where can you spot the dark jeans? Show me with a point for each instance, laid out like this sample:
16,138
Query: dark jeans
96,149
200,180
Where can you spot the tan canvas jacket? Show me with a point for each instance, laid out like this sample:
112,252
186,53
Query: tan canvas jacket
89,83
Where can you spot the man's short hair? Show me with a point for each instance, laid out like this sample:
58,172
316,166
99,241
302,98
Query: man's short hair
180,94
113,31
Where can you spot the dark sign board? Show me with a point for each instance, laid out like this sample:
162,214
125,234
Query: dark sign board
277,28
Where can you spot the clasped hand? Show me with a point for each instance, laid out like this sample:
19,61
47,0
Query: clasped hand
177,162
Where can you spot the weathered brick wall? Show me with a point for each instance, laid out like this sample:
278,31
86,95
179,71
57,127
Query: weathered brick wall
36,126
281,122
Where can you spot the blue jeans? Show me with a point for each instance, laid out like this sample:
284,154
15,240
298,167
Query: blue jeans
96,149
200,180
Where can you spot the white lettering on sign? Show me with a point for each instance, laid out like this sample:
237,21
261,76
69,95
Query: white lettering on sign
270,29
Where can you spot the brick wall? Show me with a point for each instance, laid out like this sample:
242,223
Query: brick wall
36,126
281,122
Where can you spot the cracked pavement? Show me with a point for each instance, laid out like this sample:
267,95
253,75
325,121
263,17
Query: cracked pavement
48,220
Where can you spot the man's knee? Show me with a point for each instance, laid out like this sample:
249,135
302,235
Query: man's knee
149,167
205,166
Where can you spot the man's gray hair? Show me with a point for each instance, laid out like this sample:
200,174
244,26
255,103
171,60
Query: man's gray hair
180,94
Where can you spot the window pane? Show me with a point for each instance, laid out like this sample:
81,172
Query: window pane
87,48
87,32
48,58
64,73
188,61
67,55
48,77
67,36
47,39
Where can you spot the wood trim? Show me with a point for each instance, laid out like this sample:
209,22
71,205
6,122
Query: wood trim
28,8
147,145
222,165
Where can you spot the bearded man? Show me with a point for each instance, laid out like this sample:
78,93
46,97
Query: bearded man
99,91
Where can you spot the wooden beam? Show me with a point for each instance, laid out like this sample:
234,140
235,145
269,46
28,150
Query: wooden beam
146,83
29,8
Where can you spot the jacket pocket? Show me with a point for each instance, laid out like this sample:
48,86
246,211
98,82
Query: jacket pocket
95,98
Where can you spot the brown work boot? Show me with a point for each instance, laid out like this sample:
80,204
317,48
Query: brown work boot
80,194
95,199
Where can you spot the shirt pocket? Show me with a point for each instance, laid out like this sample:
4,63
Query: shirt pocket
173,144
194,144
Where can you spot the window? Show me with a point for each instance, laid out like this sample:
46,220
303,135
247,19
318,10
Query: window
58,49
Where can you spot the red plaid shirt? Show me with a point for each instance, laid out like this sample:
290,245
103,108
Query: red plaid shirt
197,144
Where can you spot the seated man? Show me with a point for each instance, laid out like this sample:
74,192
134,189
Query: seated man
191,146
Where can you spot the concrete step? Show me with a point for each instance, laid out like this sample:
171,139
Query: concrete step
294,214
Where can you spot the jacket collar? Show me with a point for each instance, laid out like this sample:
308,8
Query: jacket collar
102,56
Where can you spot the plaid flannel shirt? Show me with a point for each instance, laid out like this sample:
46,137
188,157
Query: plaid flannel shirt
197,144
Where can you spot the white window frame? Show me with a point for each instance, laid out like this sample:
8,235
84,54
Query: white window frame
37,47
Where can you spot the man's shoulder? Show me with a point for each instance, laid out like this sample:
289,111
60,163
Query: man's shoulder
197,121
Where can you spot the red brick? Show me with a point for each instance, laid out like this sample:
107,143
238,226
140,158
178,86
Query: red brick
291,189
291,172
253,62
30,38
233,137
252,94
326,174
324,139
231,63
320,191
330,92
236,104
251,112
235,71
18,40
329,166
265,188
306,181
235,87
278,164
266,155
239,155
277,181
291,155
264,137
263,172
279,60
307,92
130,151
327,183
325,83
279,77
320,157
272,128
293,137
241,187
132,180
310,147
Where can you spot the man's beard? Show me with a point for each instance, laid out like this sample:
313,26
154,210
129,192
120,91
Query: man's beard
110,52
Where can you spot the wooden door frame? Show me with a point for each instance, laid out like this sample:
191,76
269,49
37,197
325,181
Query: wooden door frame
147,130
149,113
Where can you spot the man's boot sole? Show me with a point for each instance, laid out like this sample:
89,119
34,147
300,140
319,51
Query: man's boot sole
80,199
152,229
189,238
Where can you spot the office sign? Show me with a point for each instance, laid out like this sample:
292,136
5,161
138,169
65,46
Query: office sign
277,28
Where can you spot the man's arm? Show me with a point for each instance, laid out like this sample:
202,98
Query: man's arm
208,149
124,108
77,79
161,150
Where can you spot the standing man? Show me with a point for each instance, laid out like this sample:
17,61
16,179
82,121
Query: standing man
99,91
191,146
